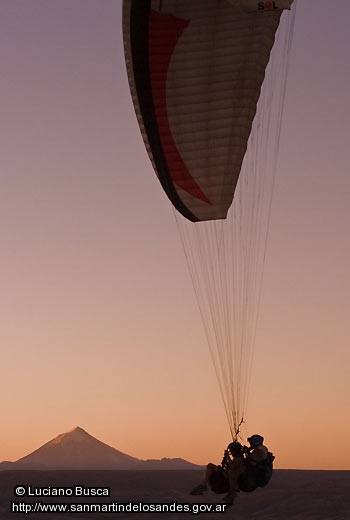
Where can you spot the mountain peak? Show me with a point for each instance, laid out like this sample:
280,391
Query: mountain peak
76,449
75,435
77,429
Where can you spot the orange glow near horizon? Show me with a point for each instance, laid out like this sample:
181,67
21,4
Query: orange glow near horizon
100,327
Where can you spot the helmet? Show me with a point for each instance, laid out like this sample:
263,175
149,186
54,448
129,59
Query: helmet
255,440
235,448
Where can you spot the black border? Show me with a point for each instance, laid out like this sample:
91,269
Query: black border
139,32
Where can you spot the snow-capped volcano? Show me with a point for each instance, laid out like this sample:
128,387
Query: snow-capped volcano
78,450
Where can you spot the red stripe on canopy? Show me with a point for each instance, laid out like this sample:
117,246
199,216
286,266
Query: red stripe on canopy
164,32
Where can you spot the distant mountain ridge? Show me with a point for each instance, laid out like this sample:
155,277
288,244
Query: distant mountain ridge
78,450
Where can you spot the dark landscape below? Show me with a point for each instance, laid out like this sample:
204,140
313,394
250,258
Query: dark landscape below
76,458
291,494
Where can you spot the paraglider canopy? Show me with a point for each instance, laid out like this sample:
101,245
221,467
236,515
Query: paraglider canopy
196,70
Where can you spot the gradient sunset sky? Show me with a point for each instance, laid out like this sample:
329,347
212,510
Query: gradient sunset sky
99,324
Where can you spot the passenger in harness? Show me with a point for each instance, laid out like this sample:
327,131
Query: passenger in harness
217,477
242,468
